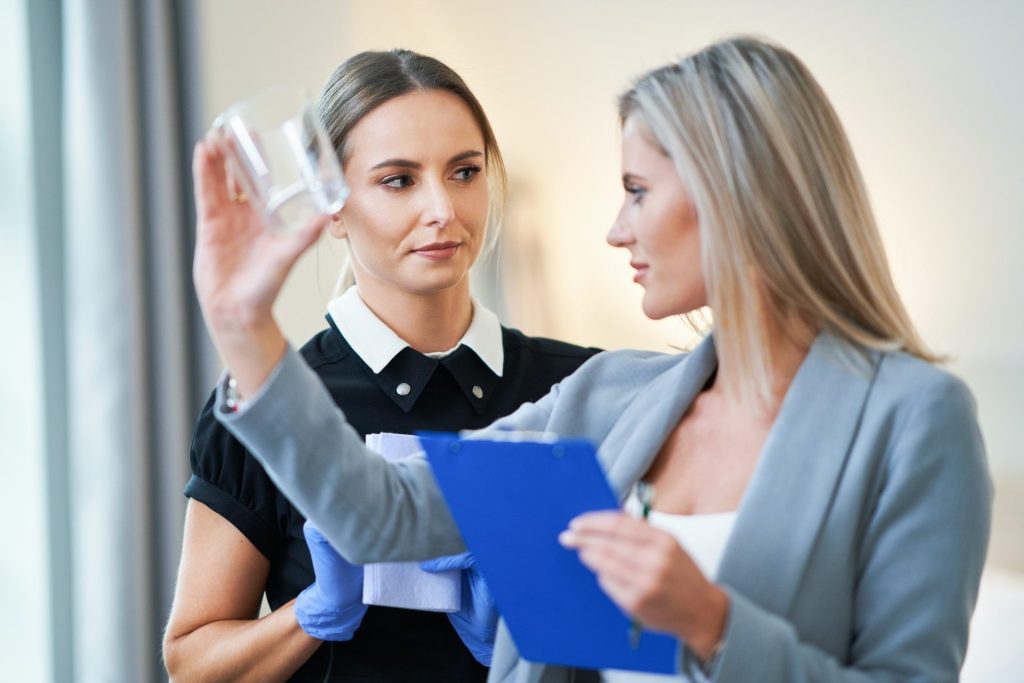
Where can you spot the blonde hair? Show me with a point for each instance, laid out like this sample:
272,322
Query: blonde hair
369,79
786,228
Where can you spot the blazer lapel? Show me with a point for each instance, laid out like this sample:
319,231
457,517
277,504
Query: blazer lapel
794,482
632,444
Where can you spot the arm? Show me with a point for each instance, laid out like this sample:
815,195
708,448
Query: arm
313,455
213,633
238,270
290,423
920,560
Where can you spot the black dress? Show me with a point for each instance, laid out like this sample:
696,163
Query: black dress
456,392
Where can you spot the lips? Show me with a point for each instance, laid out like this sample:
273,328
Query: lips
438,251
641,270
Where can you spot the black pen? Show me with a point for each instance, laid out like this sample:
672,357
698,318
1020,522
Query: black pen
645,494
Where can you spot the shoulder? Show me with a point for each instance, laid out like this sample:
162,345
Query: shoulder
228,480
324,349
590,402
515,341
629,366
614,378
928,418
912,387
218,457
635,366
545,358
212,444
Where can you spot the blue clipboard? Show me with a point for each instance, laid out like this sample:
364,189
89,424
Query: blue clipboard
510,500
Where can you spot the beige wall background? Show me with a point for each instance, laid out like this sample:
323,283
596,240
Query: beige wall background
930,93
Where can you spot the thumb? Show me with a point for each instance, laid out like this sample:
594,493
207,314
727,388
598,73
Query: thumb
309,234
290,246
303,238
312,534
448,562
326,559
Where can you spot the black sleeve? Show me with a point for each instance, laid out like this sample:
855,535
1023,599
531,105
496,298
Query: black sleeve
229,481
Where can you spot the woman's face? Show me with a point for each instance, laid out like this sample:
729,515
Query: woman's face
658,225
416,214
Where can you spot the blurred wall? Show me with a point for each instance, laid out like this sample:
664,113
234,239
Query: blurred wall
930,93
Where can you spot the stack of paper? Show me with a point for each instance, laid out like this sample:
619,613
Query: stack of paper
404,584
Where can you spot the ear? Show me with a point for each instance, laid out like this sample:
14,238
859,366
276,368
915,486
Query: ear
337,227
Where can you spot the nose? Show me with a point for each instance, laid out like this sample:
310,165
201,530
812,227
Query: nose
620,234
438,210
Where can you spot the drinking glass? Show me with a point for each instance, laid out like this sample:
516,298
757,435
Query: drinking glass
280,155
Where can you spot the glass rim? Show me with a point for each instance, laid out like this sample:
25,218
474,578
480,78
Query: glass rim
239,107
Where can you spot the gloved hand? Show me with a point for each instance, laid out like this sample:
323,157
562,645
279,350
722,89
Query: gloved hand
476,622
332,608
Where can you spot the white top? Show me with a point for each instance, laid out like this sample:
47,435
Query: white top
377,344
703,537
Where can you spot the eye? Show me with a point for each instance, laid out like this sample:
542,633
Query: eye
637,192
466,173
397,182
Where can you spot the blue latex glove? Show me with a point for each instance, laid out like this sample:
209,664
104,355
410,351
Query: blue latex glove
332,608
476,622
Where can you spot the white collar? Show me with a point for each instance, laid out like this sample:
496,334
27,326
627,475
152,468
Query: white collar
377,344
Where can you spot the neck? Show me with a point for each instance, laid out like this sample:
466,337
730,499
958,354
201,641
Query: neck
786,352
426,322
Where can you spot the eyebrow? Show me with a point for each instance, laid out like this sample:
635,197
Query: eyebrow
627,177
405,163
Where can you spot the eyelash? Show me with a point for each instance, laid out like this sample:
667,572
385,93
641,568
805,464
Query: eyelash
637,192
406,179
473,171
386,183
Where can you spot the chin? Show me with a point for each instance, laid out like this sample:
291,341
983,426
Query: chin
438,282
655,310
659,308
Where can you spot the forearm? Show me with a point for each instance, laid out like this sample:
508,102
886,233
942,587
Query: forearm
370,510
765,646
268,649
293,427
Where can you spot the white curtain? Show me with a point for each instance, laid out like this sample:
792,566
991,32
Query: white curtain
135,363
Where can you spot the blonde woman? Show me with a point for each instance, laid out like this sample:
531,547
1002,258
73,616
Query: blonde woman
823,500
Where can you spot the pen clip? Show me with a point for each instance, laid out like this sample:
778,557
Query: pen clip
644,492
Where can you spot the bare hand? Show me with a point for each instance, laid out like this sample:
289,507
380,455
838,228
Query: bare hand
646,573
240,265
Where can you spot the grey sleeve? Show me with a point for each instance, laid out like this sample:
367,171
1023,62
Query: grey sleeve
919,564
369,509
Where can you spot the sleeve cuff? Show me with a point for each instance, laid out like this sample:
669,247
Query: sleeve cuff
752,635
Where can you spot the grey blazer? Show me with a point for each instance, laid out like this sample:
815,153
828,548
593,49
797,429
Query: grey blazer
858,546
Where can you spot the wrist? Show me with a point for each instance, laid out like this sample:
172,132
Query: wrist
709,631
250,354
235,320
325,620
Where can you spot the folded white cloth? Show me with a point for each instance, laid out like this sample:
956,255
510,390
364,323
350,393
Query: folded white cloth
404,584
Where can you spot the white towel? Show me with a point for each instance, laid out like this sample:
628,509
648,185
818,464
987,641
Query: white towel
404,584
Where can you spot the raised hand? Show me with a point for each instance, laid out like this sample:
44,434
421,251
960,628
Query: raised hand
239,268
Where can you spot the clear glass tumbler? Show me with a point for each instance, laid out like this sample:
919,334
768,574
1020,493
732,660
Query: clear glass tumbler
280,154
